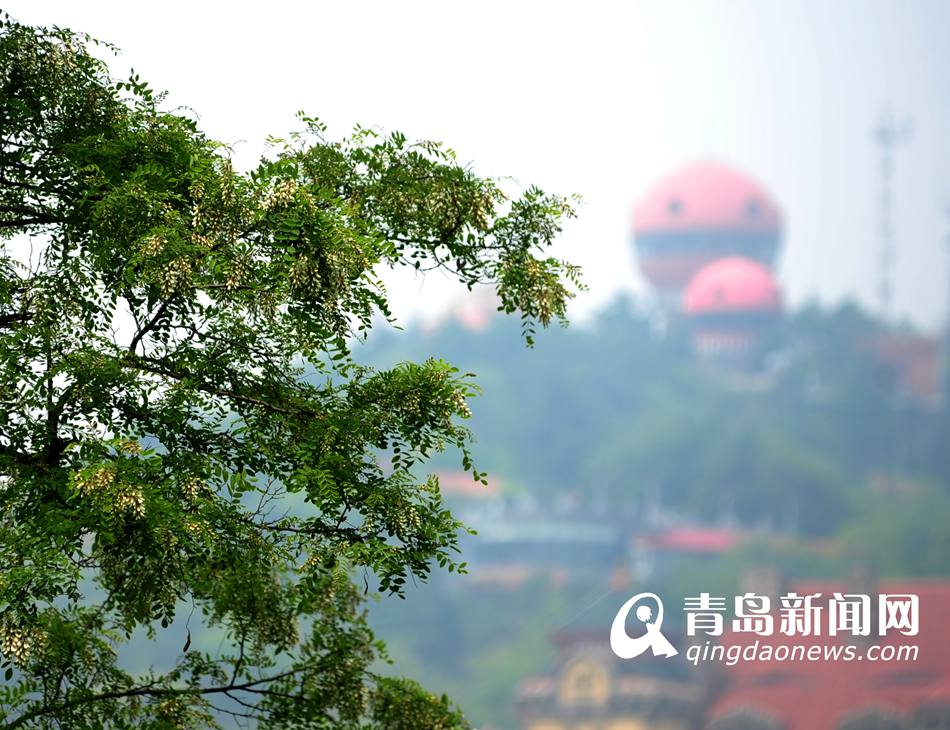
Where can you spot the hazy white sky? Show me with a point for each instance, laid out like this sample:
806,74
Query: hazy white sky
595,98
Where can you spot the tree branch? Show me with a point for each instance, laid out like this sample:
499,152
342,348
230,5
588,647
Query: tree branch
149,690
149,326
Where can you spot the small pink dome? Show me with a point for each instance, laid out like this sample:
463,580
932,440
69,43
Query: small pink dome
732,285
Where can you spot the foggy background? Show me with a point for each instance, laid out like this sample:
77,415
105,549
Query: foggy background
631,451
599,99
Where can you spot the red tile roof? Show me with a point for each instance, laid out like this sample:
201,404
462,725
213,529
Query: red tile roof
819,695
692,539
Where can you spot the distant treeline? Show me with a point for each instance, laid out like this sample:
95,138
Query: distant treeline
820,444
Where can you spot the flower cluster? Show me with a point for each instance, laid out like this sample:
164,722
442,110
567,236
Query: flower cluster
198,529
192,487
175,276
368,526
237,274
17,643
313,561
461,406
281,195
305,276
405,520
152,246
128,446
197,192
101,485
96,482
131,500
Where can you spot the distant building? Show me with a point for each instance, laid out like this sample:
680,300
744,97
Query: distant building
514,544
473,311
729,305
910,366
839,695
704,212
591,689
656,554
461,485
521,538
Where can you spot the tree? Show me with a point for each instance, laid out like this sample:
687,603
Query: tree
184,431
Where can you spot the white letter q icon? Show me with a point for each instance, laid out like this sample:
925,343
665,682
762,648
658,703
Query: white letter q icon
625,647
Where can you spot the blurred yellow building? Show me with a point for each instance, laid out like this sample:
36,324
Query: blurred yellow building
593,690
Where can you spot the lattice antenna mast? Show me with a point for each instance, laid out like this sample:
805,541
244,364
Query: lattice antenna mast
888,135
945,353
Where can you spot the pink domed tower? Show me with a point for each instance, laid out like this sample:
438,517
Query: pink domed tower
704,212
728,304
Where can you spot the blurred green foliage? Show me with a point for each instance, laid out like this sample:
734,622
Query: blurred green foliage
820,455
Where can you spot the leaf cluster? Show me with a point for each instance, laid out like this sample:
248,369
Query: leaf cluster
162,446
